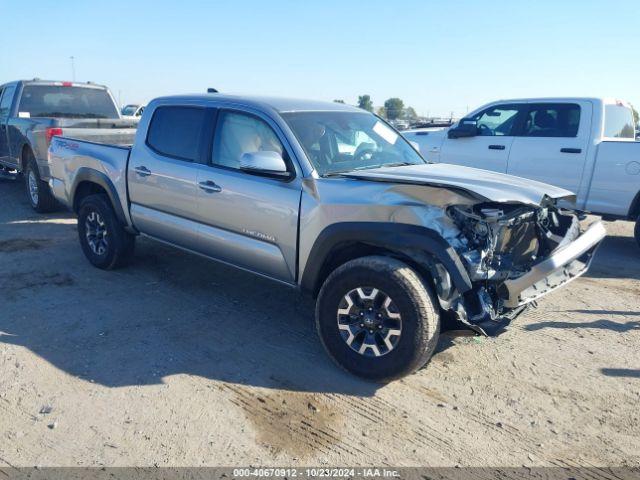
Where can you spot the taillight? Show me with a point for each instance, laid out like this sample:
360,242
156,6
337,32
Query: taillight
67,84
52,132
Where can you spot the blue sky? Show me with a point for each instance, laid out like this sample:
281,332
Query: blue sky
438,56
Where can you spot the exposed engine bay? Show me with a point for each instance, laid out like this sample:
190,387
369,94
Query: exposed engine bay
501,242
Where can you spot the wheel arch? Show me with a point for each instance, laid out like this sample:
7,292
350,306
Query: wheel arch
339,243
634,209
88,182
25,149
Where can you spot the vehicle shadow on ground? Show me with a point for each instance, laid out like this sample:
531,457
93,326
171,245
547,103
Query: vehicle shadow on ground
170,313
620,372
607,312
598,324
617,257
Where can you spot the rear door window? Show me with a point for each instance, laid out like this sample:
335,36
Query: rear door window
552,120
618,122
177,132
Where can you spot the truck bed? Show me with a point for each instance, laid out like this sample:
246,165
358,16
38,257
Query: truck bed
70,160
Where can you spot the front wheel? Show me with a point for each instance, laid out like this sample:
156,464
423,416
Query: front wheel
377,318
104,241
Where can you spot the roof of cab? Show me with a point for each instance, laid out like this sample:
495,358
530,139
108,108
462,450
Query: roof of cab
278,104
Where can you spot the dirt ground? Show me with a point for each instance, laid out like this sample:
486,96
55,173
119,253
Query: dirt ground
180,361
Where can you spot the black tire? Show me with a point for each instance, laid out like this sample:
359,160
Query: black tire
113,246
412,300
38,192
637,231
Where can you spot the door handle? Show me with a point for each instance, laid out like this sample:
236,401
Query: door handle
142,171
571,150
210,187
496,147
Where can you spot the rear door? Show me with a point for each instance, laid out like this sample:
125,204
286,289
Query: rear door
553,142
6,99
162,174
247,220
490,149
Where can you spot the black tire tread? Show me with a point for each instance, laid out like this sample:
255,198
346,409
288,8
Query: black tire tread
46,201
422,297
123,242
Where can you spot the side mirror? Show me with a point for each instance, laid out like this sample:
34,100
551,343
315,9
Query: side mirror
270,164
465,128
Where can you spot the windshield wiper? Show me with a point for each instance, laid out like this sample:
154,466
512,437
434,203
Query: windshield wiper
397,164
366,167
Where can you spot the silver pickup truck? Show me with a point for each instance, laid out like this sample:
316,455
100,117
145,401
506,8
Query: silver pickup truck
330,200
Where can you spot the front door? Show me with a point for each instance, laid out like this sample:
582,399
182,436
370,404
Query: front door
247,220
6,98
489,149
163,172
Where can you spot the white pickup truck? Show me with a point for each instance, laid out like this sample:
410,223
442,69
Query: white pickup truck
585,145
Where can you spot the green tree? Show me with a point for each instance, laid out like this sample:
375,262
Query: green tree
338,101
381,112
410,113
636,116
394,107
365,103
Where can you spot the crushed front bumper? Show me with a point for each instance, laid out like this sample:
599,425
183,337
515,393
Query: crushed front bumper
563,265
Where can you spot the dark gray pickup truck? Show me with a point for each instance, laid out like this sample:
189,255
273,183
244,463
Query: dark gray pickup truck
33,111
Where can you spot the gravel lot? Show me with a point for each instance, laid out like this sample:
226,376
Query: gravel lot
179,361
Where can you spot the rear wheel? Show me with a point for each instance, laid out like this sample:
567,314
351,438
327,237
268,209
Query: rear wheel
637,231
377,319
104,241
38,192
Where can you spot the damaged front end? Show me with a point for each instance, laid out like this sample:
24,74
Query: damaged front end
513,254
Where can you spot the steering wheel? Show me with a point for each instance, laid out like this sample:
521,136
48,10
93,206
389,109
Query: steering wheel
364,152
484,131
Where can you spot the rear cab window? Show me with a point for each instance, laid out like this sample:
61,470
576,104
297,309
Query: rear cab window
618,122
177,132
552,120
59,101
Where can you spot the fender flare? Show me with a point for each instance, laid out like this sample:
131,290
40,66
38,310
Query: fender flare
86,174
390,236
634,208
20,150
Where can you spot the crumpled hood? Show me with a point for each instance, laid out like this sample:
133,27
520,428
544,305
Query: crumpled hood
492,186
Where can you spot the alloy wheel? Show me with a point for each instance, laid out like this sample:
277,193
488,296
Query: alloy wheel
369,321
96,233
32,183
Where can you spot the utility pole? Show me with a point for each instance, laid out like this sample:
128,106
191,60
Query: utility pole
73,68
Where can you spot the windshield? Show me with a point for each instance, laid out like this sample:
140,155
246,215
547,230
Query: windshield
67,102
337,142
129,110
